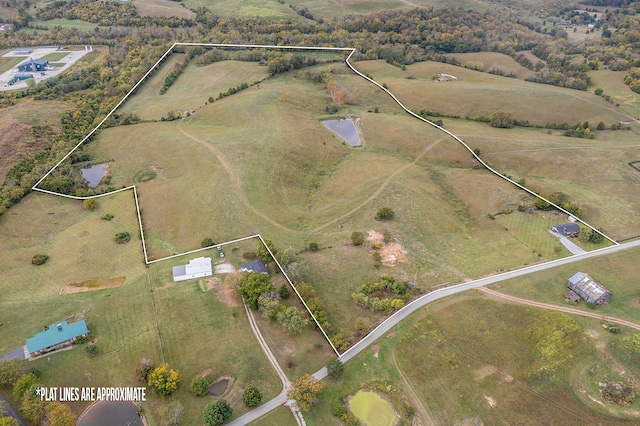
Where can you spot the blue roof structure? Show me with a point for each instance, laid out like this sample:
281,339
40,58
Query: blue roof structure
575,278
255,266
55,335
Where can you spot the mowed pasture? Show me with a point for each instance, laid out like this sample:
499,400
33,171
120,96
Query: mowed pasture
81,247
489,61
260,161
63,23
616,272
478,94
193,87
162,8
593,172
612,84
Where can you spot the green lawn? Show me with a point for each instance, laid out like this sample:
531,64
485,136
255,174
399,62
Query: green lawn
64,23
8,63
488,61
281,416
55,56
612,84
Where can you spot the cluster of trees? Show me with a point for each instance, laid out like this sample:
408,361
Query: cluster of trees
400,292
289,62
162,379
559,199
591,235
305,391
25,388
173,75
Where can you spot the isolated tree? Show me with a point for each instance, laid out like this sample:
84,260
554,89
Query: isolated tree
314,246
305,391
601,126
599,91
174,412
288,256
251,397
207,242
89,204
217,413
199,386
122,237
253,285
92,350
262,251
501,120
292,320
296,270
60,415
39,259
163,380
335,368
357,238
385,213
145,367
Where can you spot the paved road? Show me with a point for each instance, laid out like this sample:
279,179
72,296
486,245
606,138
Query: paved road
394,319
11,412
17,353
568,244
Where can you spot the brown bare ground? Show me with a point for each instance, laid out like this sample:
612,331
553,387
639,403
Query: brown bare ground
227,294
390,253
212,283
80,287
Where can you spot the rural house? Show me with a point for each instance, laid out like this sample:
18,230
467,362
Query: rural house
56,336
33,65
256,266
589,289
567,229
197,268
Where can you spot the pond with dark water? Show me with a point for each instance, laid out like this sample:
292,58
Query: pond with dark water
93,174
219,387
346,129
111,413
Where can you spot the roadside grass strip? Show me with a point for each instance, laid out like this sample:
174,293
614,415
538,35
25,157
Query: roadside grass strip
351,51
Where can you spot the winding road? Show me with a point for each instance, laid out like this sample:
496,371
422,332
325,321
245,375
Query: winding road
394,319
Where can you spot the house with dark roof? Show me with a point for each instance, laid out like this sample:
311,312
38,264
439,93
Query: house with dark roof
33,65
56,336
589,289
196,268
567,229
256,266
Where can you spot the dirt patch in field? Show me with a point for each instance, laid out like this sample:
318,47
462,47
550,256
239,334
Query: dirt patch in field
159,171
92,285
485,371
492,402
228,295
82,256
390,253
375,349
212,283
205,373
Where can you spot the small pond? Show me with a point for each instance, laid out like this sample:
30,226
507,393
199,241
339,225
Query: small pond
346,129
111,413
219,387
94,174
372,410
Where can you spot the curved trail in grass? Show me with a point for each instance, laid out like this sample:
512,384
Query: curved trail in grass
381,187
493,294
234,179
413,396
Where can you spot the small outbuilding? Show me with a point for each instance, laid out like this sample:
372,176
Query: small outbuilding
567,229
23,51
256,266
589,289
197,268
33,65
572,296
56,336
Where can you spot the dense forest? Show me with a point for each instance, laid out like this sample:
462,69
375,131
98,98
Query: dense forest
133,43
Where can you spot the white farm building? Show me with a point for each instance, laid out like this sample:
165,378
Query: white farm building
196,268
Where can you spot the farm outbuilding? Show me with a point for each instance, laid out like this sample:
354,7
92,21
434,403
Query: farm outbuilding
56,336
33,65
23,51
589,289
567,229
196,268
256,266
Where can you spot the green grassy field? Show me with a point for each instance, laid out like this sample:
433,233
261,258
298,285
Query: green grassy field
493,60
193,88
281,416
9,63
484,93
594,173
454,359
615,272
303,182
612,83
64,23
52,57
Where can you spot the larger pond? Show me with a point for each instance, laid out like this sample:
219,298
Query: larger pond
111,413
346,129
372,410
93,174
